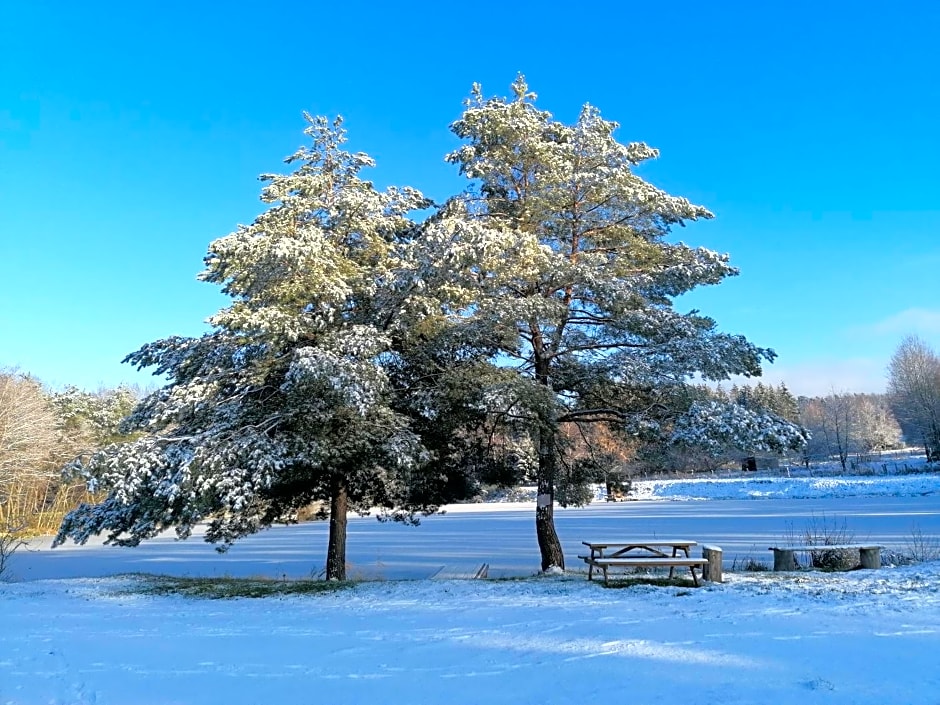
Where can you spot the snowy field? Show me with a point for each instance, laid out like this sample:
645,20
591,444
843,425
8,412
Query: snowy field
806,637
860,637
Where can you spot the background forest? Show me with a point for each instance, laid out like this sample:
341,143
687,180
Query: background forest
42,430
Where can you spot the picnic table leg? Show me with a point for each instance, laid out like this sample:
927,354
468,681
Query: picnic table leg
596,553
675,553
694,577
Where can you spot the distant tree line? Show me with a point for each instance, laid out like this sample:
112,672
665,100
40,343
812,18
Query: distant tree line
40,431
842,424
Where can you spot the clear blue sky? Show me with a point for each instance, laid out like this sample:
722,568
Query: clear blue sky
132,134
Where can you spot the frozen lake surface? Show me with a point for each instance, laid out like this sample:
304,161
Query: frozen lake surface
502,535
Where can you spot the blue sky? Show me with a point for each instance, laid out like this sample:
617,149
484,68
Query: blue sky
132,134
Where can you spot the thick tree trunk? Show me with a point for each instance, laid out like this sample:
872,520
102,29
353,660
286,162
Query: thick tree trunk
336,547
549,543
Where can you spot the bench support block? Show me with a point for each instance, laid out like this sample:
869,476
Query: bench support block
870,557
711,571
784,559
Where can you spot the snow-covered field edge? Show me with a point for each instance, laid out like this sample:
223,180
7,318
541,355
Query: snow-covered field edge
914,477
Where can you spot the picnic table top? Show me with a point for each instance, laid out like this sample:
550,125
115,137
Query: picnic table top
648,560
640,542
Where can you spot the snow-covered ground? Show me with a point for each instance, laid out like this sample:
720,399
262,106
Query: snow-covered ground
806,637
860,637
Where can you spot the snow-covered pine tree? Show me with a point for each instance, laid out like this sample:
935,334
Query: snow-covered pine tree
285,401
565,248
717,426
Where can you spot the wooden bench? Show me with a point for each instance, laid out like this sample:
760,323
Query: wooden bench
785,556
645,562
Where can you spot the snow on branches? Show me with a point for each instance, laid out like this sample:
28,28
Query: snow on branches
340,372
717,426
285,402
568,268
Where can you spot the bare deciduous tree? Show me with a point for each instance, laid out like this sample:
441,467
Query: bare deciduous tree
829,422
11,540
41,431
876,426
844,423
914,391
28,440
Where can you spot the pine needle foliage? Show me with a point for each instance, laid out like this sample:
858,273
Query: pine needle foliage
564,255
286,401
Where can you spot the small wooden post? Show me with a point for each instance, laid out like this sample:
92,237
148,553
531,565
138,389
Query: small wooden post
712,571
870,557
784,559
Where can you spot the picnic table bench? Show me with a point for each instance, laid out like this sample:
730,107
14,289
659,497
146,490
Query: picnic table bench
869,555
654,553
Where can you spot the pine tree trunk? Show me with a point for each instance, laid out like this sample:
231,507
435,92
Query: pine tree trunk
336,548
549,543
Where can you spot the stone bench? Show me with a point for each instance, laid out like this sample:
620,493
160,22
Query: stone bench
785,556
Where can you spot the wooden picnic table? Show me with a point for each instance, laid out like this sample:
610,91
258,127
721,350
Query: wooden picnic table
650,547
646,553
